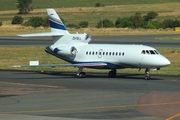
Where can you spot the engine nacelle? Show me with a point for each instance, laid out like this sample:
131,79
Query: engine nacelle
66,50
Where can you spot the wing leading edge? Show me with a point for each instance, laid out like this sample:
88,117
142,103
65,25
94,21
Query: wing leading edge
65,65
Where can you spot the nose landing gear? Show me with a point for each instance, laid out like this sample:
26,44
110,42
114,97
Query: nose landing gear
147,76
81,74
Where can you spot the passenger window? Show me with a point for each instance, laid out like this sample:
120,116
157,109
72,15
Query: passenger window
86,52
103,53
116,53
113,53
93,53
109,53
123,54
106,53
96,53
89,53
119,53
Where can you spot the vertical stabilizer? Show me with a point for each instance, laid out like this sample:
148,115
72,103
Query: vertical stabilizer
55,22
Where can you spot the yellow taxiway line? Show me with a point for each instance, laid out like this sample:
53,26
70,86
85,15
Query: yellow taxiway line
31,85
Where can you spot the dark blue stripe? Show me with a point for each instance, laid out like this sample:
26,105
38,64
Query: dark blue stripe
48,50
57,26
108,66
56,50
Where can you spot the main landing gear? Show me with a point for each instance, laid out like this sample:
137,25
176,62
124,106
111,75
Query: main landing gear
81,74
147,76
112,73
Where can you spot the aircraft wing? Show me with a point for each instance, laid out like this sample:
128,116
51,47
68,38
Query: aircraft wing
64,65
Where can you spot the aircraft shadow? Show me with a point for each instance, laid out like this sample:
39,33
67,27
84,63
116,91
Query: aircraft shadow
100,75
55,75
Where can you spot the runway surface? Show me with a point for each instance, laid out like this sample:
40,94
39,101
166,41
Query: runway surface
151,40
53,96
63,96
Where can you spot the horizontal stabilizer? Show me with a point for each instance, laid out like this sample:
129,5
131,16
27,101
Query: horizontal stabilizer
64,65
42,34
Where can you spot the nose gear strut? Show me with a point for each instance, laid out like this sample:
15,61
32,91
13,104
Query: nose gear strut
80,74
147,76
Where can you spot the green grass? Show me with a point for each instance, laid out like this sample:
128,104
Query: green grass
84,10
169,38
39,4
19,55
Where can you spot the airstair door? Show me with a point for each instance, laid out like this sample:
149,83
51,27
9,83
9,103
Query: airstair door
100,52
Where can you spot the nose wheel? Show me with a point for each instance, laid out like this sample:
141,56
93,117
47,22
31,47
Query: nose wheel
80,74
147,76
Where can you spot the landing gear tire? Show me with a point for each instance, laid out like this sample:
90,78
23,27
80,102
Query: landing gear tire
81,75
112,73
147,76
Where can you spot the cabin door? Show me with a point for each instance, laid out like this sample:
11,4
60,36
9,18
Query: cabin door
100,52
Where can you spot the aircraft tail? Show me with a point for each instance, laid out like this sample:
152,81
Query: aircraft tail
56,23
58,29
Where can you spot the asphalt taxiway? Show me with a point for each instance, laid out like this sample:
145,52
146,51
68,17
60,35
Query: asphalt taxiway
49,95
52,96
151,40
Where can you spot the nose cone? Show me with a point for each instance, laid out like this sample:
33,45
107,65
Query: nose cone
161,61
165,62
156,61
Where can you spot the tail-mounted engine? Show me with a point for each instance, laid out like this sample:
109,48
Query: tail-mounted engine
66,50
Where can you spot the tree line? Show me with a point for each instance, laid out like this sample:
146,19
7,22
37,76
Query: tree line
136,21
139,21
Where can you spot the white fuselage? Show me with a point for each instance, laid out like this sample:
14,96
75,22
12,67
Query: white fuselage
116,56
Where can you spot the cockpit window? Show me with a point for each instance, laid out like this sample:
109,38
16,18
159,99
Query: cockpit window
143,52
150,52
156,52
147,51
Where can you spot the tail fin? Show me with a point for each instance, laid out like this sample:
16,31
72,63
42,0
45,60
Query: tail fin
55,22
58,29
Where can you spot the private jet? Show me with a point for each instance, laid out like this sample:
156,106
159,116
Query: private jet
77,50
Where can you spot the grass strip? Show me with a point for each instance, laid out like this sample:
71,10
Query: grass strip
169,38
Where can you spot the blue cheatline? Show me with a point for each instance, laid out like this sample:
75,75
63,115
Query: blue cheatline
57,26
